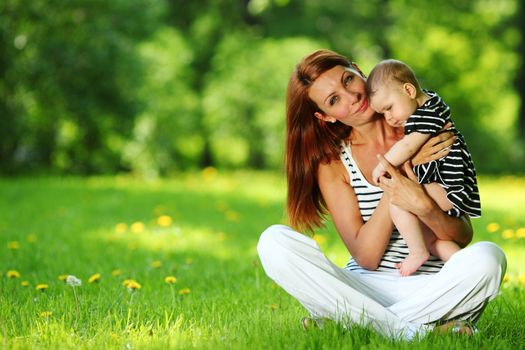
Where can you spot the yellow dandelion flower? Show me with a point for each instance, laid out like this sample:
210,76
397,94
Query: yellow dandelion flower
94,278
164,220
116,272
41,287
492,227
170,279
156,264
184,291
507,234
320,239
121,227
521,279
209,173
137,227
232,216
13,245
62,278
25,283
520,233
13,274
31,238
131,284
274,306
46,314
506,278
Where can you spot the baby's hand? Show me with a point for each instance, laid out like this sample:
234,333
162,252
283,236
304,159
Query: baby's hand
378,171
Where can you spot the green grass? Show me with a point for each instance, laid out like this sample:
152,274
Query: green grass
62,226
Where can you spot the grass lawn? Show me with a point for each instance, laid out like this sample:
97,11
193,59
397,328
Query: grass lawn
201,228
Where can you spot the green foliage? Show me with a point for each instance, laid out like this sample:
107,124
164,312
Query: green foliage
156,86
244,98
100,224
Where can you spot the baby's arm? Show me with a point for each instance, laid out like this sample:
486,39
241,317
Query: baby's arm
405,148
401,151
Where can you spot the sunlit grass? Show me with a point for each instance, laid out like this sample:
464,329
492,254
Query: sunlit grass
172,264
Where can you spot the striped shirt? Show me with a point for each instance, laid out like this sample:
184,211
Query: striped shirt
368,197
455,172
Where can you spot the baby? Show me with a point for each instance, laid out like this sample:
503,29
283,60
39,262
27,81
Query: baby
451,181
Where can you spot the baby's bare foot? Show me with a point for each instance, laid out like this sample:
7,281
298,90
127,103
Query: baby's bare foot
411,263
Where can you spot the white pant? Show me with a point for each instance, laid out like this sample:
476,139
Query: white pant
395,306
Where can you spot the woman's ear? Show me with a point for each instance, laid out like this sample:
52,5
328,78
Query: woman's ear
324,117
410,90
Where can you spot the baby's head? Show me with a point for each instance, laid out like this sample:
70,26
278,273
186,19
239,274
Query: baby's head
393,90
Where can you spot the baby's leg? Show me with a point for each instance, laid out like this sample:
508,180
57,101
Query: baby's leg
409,227
441,248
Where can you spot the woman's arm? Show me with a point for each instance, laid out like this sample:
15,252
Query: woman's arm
366,242
408,194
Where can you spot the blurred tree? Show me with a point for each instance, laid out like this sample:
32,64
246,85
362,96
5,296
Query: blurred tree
204,23
519,22
166,134
67,80
460,56
244,103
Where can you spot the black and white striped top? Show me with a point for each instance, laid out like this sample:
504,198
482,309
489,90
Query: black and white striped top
455,172
368,197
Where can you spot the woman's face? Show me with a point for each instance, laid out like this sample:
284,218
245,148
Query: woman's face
340,93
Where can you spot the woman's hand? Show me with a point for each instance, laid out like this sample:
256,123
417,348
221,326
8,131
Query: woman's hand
408,194
435,148
404,191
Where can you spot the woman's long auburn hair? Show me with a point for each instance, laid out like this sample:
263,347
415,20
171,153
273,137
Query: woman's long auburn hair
309,141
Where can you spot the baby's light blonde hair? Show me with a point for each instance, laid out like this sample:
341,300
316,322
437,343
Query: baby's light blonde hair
390,70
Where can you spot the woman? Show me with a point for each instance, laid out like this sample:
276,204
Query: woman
333,137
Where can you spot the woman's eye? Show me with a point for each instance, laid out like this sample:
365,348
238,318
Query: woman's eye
333,100
347,79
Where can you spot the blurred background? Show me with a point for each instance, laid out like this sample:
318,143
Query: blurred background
155,87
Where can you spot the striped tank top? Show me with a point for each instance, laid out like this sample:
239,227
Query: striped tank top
368,197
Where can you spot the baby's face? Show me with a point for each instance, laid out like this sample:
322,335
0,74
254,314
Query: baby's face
394,103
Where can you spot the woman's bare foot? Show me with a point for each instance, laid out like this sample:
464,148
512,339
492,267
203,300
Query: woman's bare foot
455,327
411,263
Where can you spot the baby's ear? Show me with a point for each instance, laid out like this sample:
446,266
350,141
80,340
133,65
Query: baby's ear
410,90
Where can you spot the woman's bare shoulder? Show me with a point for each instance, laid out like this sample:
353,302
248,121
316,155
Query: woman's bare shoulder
332,171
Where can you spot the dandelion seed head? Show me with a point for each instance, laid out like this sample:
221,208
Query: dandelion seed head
73,281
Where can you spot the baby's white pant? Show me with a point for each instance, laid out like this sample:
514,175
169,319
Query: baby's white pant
395,306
